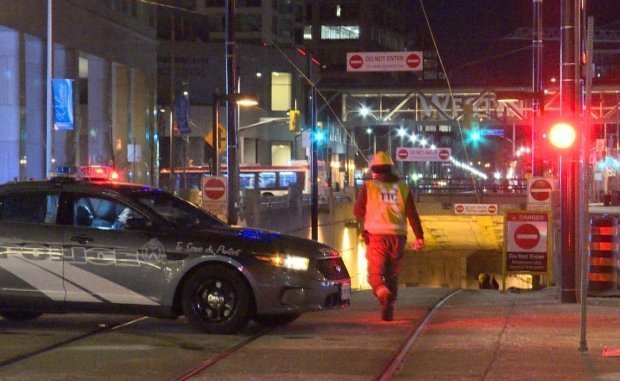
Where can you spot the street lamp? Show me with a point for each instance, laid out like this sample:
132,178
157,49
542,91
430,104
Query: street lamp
239,99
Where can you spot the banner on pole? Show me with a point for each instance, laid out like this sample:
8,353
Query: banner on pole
62,91
181,107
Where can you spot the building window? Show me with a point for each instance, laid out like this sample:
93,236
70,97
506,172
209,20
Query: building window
340,32
280,153
281,91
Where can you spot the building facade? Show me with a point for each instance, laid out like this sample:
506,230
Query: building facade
107,49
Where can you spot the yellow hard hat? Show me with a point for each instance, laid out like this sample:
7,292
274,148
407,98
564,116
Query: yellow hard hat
380,159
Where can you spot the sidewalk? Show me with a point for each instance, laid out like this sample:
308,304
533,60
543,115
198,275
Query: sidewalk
487,335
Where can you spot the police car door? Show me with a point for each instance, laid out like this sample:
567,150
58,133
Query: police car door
30,250
108,262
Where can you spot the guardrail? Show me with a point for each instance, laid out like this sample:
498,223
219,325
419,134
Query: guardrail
465,185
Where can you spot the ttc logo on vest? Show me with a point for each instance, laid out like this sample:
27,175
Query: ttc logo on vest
389,197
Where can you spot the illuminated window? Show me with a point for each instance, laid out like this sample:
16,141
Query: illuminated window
280,153
281,91
287,179
340,32
266,180
246,181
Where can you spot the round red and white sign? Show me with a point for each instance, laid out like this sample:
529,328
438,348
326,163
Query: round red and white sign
492,209
444,154
413,60
402,153
356,61
527,236
459,208
540,190
214,190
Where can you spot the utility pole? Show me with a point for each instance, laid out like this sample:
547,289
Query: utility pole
231,109
569,186
172,90
48,131
314,157
537,86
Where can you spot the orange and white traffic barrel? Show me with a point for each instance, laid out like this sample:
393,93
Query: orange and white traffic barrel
604,245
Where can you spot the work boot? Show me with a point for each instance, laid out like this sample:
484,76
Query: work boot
387,312
386,299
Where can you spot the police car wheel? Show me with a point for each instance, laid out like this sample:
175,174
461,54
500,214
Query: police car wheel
217,299
19,315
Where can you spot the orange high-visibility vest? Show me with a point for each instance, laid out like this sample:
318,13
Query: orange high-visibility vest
385,207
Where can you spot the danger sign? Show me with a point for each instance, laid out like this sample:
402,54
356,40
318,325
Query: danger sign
527,242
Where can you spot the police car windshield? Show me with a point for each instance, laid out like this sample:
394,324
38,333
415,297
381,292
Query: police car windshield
173,209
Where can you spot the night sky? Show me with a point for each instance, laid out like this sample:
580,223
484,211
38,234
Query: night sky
470,35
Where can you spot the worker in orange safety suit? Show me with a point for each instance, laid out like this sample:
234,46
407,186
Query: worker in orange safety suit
384,204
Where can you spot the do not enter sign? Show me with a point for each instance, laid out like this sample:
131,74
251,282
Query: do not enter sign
526,231
527,236
527,242
214,189
402,154
539,189
214,194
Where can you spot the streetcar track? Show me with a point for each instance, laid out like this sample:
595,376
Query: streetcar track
48,348
387,374
396,363
391,369
222,355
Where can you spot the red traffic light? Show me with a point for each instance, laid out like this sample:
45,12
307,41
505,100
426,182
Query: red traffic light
562,135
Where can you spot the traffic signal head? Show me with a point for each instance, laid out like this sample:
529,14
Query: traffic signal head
562,135
294,120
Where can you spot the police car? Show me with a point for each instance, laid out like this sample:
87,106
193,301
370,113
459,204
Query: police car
75,245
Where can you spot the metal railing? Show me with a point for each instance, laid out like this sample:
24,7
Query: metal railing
468,185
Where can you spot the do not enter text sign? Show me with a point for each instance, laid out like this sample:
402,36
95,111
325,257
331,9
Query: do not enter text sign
423,154
539,190
384,61
214,189
214,194
526,238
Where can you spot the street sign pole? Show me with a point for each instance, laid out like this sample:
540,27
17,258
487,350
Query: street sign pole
314,152
569,106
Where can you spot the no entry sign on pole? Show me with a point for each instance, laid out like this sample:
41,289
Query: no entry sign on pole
527,243
423,154
384,61
539,190
214,194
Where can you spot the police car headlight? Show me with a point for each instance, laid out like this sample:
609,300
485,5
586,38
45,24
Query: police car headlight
291,262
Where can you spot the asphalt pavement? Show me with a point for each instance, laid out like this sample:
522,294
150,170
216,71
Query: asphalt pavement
519,335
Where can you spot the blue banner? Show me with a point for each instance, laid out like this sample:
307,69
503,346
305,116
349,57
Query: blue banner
62,90
181,108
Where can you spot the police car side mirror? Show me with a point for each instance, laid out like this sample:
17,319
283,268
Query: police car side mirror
137,224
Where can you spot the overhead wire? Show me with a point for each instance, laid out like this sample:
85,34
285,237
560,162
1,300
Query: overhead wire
451,92
327,104
290,61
